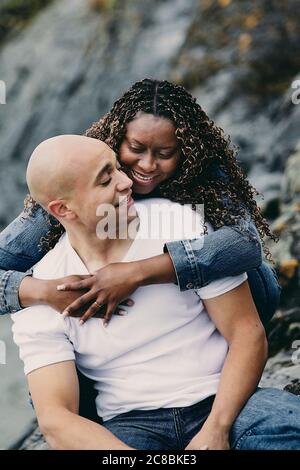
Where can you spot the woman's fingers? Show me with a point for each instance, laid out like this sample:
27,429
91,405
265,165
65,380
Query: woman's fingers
93,310
127,302
108,314
121,312
113,309
78,304
78,285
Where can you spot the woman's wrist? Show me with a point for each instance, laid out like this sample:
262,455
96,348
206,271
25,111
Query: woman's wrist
32,292
156,270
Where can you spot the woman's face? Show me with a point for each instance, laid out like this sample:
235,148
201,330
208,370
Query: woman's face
150,151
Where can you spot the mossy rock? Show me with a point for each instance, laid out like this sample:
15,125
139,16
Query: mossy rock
15,14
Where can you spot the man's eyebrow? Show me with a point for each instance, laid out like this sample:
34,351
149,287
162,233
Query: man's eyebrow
105,169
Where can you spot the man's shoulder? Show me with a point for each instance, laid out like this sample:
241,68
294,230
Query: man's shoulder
38,319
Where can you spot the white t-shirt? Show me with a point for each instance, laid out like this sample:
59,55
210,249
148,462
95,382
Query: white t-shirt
165,353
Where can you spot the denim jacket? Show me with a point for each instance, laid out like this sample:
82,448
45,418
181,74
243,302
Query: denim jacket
226,252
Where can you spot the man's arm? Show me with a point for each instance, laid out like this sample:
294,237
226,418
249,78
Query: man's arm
236,318
55,394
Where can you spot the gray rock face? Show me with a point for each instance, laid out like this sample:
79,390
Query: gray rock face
66,69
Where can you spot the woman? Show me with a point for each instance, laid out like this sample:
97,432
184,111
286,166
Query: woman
169,148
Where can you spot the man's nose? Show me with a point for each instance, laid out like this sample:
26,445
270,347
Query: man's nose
124,182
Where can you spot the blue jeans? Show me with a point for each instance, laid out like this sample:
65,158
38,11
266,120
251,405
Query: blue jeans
270,420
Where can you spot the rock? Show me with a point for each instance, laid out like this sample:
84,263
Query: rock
33,440
287,226
15,15
293,387
280,370
60,79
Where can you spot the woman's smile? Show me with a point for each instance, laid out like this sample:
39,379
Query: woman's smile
141,178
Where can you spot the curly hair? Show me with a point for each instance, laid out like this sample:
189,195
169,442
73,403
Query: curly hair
205,152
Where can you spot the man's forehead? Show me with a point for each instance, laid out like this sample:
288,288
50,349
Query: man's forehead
105,152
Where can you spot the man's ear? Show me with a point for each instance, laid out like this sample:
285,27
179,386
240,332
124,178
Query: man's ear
59,209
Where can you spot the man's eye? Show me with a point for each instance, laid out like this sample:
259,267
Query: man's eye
106,183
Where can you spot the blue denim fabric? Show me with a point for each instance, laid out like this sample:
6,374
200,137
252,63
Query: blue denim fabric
228,251
19,251
270,420
265,290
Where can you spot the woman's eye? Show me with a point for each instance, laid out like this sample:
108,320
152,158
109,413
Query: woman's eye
165,156
135,149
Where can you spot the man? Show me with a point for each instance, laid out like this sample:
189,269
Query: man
178,370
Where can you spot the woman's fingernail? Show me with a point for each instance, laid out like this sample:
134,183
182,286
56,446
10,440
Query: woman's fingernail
122,312
81,322
65,313
61,287
105,324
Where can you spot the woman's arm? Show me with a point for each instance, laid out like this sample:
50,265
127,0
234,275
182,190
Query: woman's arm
228,251
19,251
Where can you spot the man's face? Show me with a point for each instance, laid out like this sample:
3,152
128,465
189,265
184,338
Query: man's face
101,185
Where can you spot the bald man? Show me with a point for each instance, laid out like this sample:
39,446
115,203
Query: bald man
169,376
64,175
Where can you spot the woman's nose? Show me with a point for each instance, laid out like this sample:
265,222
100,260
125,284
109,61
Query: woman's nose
147,164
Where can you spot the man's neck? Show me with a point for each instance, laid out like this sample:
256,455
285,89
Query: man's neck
97,253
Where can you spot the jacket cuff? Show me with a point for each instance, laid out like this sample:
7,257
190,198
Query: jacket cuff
9,291
186,270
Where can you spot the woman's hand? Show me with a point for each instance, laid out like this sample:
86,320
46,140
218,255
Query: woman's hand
35,291
60,300
107,288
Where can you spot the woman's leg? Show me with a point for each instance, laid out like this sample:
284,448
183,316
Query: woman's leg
265,290
270,420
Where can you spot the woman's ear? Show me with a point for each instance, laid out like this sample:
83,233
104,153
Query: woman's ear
60,209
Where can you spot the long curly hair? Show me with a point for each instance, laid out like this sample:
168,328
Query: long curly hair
205,154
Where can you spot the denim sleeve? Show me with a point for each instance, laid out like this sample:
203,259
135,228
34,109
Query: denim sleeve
229,251
19,251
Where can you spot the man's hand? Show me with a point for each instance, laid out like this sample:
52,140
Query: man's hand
209,439
108,288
